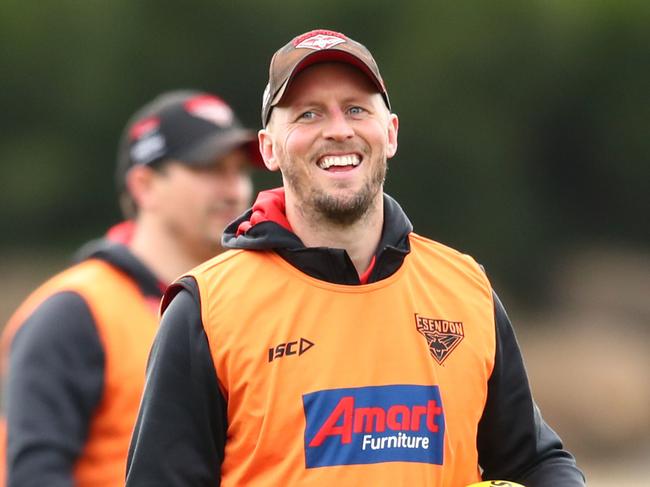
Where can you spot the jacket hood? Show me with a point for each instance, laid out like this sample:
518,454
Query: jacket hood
265,227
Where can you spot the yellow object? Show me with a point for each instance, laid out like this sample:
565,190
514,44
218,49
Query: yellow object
496,483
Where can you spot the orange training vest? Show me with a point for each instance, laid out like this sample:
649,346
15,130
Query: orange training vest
126,324
328,384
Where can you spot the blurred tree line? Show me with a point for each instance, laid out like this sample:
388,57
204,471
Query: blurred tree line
524,125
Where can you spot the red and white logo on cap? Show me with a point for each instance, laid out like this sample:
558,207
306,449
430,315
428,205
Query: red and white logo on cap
144,127
319,41
210,108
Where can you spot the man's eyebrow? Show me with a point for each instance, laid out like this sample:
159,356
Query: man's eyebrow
308,102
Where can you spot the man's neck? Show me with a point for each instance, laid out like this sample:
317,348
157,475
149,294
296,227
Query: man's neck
359,239
165,257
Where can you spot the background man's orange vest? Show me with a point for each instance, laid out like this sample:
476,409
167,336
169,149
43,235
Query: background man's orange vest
126,324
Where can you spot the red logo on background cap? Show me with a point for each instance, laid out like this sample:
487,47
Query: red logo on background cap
144,126
210,108
319,39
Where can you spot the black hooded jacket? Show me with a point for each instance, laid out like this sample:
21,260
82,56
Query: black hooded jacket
181,430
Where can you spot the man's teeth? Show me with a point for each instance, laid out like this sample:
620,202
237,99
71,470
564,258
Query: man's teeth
347,160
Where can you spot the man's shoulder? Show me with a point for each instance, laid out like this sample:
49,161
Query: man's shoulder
225,260
76,277
80,279
85,271
54,309
425,243
432,250
229,265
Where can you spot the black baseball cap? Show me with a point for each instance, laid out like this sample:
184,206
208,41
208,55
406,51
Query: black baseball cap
192,127
313,47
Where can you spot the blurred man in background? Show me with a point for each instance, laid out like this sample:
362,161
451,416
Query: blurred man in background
360,353
74,352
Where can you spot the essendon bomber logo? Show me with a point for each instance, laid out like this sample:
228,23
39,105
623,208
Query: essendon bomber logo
396,423
319,40
442,336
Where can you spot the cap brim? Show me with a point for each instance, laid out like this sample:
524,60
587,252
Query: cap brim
214,147
331,55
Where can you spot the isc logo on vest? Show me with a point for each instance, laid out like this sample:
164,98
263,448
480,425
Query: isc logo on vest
396,423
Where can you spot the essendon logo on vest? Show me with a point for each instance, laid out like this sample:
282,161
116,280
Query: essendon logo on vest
396,423
442,335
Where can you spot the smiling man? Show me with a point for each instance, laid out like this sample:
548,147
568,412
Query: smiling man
333,345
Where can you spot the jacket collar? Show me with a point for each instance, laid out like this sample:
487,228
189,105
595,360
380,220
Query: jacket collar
118,255
259,229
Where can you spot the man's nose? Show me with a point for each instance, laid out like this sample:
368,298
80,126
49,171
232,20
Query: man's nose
338,126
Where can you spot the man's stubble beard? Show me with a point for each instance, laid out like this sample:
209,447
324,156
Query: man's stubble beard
318,206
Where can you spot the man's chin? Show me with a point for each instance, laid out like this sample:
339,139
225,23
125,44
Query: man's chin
220,221
209,250
344,210
211,242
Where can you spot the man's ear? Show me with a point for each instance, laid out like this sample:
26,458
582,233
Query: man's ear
267,149
393,128
140,185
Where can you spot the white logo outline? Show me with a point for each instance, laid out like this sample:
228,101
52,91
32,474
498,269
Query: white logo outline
320,42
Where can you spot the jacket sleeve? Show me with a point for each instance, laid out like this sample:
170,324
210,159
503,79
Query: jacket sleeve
53,384
514,443
180,432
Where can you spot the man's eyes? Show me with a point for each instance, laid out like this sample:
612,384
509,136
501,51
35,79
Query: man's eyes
311,115
308,115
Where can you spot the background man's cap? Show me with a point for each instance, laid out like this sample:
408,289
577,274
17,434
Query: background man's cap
313,47
192,127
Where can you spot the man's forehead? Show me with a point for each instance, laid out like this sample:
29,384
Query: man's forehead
315,79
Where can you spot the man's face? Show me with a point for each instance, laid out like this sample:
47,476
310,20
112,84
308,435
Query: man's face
331,136
194,204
